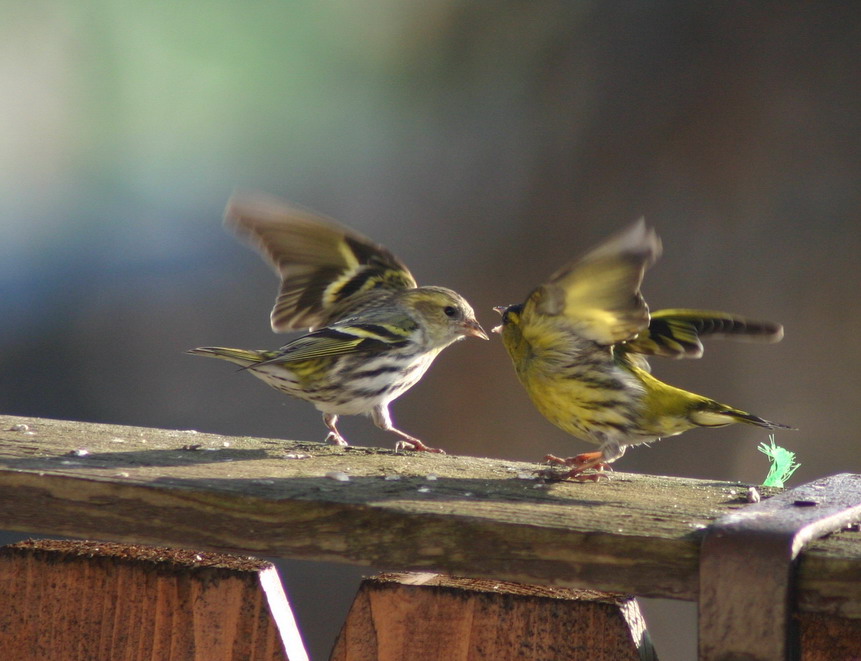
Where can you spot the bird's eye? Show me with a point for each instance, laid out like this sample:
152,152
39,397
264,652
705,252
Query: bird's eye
450,311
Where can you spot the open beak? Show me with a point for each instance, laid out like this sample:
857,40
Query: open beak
472,328
501,310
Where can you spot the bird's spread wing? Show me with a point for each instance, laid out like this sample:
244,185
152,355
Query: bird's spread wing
324,266
598,295
677,333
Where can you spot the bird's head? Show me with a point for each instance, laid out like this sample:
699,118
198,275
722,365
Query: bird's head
445,314
510,329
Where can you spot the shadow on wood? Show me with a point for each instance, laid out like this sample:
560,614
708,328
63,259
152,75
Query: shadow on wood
93,601
425,617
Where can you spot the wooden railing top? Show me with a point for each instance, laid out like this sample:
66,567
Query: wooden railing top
636,534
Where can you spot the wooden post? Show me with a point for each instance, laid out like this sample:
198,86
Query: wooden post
425,617
92,601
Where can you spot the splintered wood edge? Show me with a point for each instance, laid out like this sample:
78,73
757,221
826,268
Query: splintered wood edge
470,516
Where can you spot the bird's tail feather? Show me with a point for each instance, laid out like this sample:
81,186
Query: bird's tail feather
749,418
718,415
243,357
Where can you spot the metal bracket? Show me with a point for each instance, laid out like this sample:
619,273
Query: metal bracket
746,568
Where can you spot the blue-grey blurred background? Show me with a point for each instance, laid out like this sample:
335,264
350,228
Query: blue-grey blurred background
485,144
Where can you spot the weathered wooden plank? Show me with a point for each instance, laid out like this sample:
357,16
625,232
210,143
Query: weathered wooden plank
636,534
426,616
95,600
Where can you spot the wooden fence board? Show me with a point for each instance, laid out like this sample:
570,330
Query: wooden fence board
470,516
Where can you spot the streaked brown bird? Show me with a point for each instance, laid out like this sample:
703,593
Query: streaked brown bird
373,331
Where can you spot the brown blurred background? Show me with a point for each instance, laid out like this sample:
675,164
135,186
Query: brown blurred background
485,144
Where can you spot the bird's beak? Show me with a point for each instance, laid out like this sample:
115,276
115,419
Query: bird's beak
473,328
501,310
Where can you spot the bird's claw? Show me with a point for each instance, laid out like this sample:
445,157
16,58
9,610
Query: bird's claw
336,439
416,446
587,467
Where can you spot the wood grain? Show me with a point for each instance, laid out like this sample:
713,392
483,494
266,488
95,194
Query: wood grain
425,617
829,638
92,600
476,517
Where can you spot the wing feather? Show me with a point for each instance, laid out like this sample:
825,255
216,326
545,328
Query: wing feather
598,295
677,333
336,341
326,269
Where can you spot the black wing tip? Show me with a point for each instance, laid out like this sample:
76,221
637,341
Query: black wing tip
756,331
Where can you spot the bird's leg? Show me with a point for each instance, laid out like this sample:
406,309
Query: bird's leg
334,437
582,462
597,461
383,420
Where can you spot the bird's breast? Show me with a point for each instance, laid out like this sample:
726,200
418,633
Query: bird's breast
585,393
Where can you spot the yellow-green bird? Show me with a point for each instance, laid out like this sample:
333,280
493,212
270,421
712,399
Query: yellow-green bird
579,345
373,331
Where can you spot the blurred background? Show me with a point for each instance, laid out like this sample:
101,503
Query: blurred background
485,144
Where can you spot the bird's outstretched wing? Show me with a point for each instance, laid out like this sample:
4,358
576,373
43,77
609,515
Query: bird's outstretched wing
326,269
598,295
677,333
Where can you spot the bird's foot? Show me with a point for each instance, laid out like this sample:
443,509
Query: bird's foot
586,467
336,439
415,445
